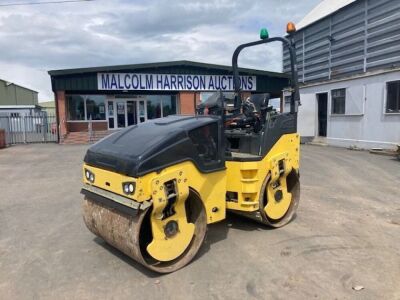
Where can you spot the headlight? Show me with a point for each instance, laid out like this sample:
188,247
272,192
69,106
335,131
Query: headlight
89,176
129,188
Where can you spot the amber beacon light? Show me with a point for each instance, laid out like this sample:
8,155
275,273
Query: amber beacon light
290,28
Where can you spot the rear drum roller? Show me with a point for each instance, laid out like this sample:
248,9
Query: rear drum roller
133,234
279,200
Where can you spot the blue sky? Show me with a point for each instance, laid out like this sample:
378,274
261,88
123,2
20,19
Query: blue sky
38,38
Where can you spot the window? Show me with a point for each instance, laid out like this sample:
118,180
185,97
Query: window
154,107
276,103
86,107
286,107
338,101
95,108
169,106
205,139
205,95
393,97
159,106
76,107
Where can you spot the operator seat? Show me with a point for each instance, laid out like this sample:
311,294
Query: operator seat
249,117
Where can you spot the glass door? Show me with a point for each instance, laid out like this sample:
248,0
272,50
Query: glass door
131,111
121,113
126,112
142,111
110,114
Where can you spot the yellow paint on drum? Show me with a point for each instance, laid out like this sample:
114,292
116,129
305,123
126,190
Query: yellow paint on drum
167,249
163,247
247,178
277,209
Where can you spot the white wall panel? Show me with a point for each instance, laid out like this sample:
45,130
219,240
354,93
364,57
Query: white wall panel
373,128
307,115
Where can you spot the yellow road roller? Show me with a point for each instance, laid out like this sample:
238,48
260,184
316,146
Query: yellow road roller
151,189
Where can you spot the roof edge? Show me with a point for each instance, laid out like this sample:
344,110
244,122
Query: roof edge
314,20
22,106
18,85
61,72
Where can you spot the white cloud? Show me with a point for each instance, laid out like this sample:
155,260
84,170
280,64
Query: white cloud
32,78
34,39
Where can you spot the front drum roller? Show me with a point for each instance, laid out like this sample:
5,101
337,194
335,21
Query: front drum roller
133,235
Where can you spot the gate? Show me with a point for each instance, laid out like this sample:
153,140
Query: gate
22,129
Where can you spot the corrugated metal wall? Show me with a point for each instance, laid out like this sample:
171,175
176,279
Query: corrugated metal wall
11,94
361,37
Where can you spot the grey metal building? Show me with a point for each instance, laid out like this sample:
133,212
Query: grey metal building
13,94
22,117
349,67
16,99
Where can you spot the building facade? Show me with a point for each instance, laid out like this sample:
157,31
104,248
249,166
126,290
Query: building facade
17,100
49,107
111,98
12,94
349,68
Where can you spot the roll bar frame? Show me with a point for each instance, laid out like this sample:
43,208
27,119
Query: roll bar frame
295,95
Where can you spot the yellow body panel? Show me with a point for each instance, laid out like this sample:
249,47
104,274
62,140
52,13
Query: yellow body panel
247,178
210,186
165,248
109,181
244,178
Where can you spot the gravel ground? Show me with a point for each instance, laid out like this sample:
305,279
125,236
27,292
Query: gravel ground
346,234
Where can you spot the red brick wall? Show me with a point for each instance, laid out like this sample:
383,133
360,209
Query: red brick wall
2,138
83,126
245,95
62,112
186,100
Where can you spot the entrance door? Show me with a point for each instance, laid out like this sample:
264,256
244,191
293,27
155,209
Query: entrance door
125,112
121,113
136,111
142,110
322,113
110,114
131,110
